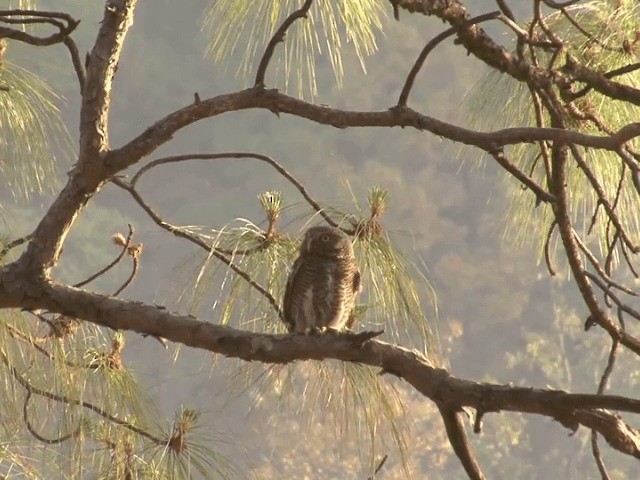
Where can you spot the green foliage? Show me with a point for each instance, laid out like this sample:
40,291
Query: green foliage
31,131
237,26
611,24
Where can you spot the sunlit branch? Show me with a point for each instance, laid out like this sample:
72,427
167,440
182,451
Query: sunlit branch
506,10
408,84
164,129
13,244
78,66
112,264
278,37
610,74
179,232
437,384
597,455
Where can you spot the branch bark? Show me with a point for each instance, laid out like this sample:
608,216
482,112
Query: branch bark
571,410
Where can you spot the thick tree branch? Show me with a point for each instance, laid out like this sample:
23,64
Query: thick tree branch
437,384
89,173
272,100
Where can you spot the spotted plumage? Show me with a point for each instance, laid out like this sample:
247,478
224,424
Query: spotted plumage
323,283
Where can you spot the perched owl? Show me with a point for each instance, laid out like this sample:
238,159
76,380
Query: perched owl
323,283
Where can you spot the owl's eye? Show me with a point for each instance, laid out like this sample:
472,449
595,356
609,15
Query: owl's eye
324,238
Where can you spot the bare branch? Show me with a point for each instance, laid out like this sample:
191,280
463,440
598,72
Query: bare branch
547,248
600,82
257,156
272,100
63,22
460,442
112,264
428,48
70,401
541,194
35,434
13,244
134,252
379,467
278,37
177,231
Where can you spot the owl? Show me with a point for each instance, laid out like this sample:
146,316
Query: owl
323,283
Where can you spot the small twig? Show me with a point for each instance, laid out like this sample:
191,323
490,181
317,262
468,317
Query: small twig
627,259
70,401
541,194
177,231
593,180
278,37
134,252
547,248
240,155
17,334
112,264
506,10
595,448
78,66
591,38
36,435
433,43
597,455
611,249
379,467
621,305
13,244
559,5
50,18
594,262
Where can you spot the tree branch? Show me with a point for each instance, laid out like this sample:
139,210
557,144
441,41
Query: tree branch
278,37
272,100
428,48
571,410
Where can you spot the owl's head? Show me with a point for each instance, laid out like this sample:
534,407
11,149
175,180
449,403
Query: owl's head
326,240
